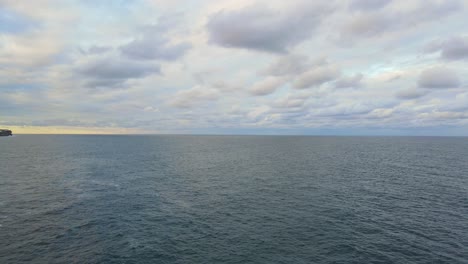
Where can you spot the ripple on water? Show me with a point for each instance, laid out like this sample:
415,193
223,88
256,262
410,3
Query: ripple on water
249,199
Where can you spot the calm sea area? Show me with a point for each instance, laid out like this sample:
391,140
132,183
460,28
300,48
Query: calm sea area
233,199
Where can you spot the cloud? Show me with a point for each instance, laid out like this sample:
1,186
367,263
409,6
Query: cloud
454,48
194,96
226,87
410,93
111,71
368,4
398,17
258,112
292,64
443,115
95,49
262,28
154,48
267,86
290,102
349,81
438,78
12,22
31,49
86,64
155,44
34,33
434,9
381,113
367,25
316,77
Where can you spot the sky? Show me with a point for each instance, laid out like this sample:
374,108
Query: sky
348,67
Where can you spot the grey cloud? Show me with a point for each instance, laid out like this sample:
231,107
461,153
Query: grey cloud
377,22
92,50
51,122
108,72
410,93
381,113
205,78
266,86
290,102
349,81
345,110
316,77
367,25
438,77
454,48
292,65
445,115
60,122
368,4
153,48
154,44
264,29
435,9
226,87
194,96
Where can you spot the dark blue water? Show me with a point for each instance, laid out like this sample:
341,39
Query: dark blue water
233,199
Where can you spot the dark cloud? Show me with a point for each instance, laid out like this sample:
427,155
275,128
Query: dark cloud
349,81
455,48
262,28
109,72
438,78
368,4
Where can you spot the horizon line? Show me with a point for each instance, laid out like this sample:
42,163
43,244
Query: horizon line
227,134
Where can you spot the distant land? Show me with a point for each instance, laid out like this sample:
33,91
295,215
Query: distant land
6,132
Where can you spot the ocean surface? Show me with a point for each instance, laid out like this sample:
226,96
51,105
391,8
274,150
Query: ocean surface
233,199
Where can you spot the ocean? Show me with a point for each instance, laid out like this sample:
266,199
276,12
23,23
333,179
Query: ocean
233,199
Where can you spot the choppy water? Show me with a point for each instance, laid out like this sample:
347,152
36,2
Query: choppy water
233,199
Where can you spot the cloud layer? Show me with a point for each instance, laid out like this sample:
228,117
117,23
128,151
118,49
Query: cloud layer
262,28
274,67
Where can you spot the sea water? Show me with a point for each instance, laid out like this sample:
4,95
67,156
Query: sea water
233,199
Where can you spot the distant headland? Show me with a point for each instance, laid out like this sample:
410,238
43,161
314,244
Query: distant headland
5,132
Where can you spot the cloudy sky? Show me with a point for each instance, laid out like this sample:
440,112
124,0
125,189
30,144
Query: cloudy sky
354,67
